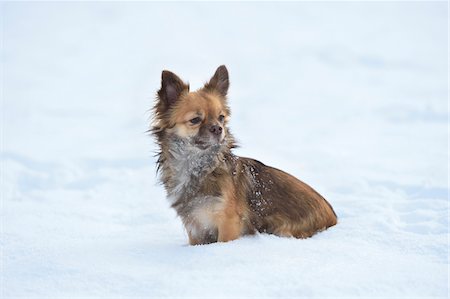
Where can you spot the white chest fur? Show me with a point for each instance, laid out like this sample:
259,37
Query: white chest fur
202,219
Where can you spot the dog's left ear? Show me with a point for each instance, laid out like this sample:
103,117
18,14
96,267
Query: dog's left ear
219,81
171,89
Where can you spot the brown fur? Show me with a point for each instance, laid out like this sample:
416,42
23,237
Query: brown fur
220,196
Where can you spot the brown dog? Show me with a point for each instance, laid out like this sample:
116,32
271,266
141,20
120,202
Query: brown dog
220,196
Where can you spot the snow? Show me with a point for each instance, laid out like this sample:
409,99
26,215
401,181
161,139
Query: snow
350,97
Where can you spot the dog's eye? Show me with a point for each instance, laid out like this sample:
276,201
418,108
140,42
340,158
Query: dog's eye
195,120
221,118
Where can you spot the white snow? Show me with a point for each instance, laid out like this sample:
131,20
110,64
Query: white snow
350,97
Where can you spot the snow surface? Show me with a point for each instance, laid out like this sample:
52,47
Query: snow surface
350,97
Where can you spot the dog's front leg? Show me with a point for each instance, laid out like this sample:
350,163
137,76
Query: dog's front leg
229,227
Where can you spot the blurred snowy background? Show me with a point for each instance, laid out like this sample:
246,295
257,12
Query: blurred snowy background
349,97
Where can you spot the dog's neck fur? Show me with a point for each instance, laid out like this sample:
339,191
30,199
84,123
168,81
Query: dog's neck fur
184,166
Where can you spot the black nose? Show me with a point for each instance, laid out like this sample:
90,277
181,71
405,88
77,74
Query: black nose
215,129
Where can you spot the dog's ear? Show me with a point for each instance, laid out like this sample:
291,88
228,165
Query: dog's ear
219,81
171,88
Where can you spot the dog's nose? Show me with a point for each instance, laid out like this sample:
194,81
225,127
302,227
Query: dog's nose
215,129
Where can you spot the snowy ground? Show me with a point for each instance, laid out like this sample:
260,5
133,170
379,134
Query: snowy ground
350,97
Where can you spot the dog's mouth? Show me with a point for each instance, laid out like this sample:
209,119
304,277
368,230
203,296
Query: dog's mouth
206,144
198,142
207,141
201,144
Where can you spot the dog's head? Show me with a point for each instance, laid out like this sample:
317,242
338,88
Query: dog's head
199,117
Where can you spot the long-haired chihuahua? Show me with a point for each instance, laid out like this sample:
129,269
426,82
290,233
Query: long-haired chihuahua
218,195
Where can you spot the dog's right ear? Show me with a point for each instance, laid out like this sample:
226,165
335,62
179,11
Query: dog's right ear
219,81
171,89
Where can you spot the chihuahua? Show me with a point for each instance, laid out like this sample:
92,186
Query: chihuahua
218,195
